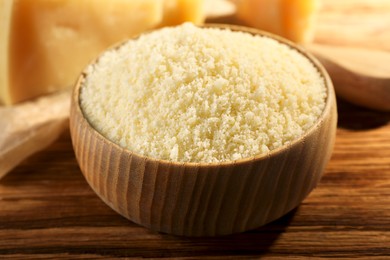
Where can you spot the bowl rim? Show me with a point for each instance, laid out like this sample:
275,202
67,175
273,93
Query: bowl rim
329,101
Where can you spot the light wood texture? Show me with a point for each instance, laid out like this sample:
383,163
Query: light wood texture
47,209
30,127
357,23
194,199
361,76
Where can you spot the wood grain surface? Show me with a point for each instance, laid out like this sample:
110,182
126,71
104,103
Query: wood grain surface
358,23
47,209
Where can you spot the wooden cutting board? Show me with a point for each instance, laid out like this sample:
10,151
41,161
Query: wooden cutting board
355,23
357,34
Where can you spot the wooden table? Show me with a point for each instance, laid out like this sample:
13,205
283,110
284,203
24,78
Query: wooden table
48,210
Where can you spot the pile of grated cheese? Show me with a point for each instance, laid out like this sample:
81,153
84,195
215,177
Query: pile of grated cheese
190,94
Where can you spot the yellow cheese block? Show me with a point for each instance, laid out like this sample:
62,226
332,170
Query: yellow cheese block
292,19
179,11
45,44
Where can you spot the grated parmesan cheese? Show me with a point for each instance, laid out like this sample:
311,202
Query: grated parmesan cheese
192,94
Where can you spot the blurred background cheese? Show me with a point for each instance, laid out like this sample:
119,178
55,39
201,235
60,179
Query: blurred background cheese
179,11
46,43
292,19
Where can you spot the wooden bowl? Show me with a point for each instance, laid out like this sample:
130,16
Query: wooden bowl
205,199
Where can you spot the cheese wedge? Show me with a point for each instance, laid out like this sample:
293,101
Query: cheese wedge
45,44
179,11
292,19
5,20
